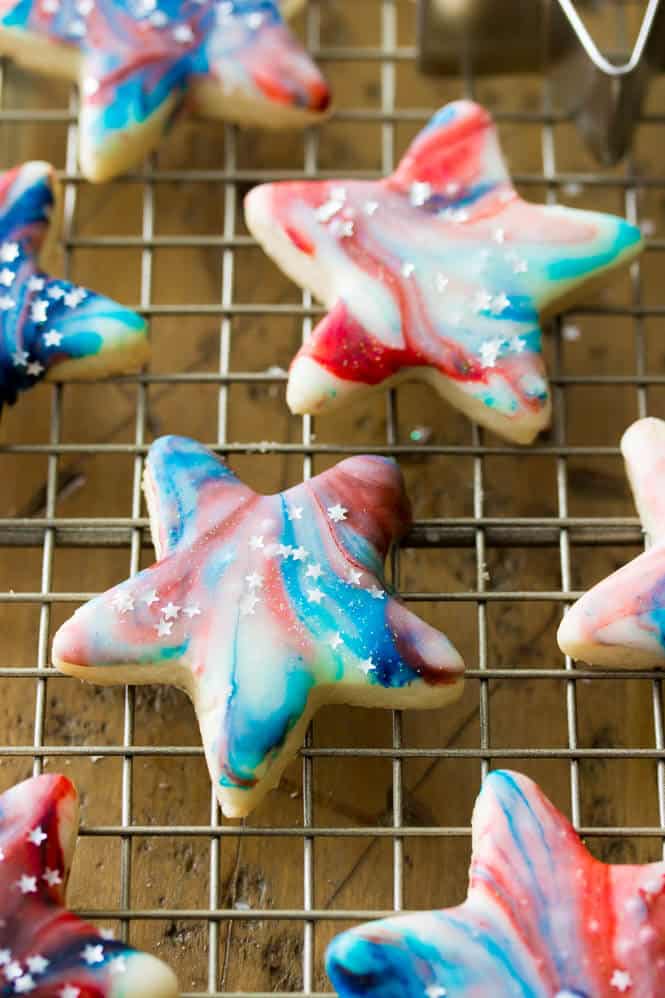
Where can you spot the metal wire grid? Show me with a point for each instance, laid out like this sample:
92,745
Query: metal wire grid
481,532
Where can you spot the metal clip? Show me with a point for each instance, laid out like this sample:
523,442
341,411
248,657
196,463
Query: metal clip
602,92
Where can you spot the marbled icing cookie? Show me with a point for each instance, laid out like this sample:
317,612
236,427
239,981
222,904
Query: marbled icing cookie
621,621
440,272
140,62
51,329
542,919
264,608
45,950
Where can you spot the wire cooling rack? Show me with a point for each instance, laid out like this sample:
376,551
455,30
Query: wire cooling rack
374,816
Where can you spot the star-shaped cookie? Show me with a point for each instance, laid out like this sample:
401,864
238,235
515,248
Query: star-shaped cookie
542,919
139,62
45,951
439,272
263,608
621,621
50,328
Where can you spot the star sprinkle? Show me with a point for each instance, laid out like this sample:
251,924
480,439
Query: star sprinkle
621,621
526,925
142,63
44,949
259,659
39,336
444,258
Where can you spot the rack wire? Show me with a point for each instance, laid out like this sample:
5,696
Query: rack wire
377,819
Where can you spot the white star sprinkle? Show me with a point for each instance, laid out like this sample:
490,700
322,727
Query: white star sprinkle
314,571
337,513
355,575
164,628
24,984
408,269
335,640
93,954
5,957
452,188
20,358
118,966
499,236
37,836
183,34
520,267
9,252
6,303
338,193
248,604
284,550
171,611
371,207
254,580
55,292
256,542
150,598
367,665
500,303
299,554
37,964
90,86
36,283
69,991
34,369
420,193
77,28
442,282
52,338
295,513
328,210
255,20
192,610
51,6
74,297
52,877
38,310
489,352
621,980
85,7
123,601
107,934
518,344
315,595
7,277
158,18
13,970
377,593
27,885
435,991
343,229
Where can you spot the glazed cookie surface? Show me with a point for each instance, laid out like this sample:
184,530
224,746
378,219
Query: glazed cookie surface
264,608
138,62
50,328
439,272
621,621
45,951
542,919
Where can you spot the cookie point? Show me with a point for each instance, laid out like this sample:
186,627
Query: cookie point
67,648
146,974
568,635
